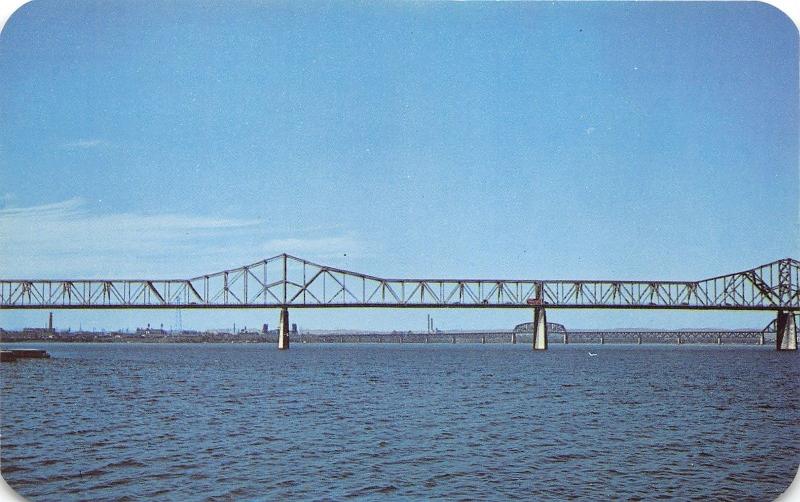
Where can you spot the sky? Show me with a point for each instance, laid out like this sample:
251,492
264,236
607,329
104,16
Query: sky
521,140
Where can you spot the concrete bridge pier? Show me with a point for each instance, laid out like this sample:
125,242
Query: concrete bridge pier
719,340
566,339
283,329
539,329
602,340
483,339
786,331
514,338
679,340
761,339
454,338
638,339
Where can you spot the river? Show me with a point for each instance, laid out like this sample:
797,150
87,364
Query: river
413,421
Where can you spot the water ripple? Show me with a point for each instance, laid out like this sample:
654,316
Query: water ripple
463,422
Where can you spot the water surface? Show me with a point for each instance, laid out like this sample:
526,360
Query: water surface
339,421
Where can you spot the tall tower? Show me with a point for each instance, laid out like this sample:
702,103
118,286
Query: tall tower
50,323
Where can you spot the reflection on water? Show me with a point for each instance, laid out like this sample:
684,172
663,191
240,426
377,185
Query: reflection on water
421,421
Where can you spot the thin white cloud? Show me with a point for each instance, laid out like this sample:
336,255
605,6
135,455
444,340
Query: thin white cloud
84,143
56,209
65,237
66,240
6,199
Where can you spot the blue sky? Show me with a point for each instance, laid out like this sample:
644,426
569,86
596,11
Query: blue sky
518,140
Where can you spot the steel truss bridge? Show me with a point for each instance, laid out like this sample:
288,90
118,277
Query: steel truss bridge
656,335
753,336
679,337
285,281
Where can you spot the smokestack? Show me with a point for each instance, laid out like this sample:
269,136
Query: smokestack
50,323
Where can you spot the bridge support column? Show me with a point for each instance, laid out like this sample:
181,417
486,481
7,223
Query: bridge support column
514,338
639,340
566,339
483,339
761,339
602,340
283,329
679,340
719,340
454,338
539,329
786,331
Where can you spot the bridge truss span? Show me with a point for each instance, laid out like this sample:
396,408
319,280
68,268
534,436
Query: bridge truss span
287,281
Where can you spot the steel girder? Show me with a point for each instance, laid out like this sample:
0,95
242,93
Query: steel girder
287,281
